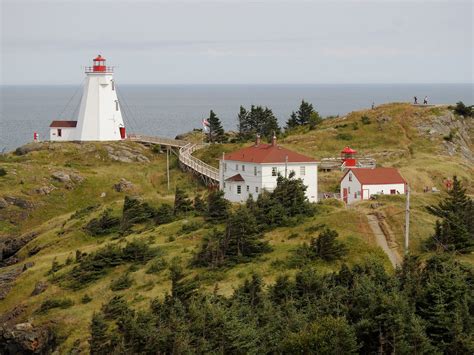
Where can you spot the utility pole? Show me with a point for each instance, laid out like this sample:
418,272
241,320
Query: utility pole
221,184
168,165
286,166
407,219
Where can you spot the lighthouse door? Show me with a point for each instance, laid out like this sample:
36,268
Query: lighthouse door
344,194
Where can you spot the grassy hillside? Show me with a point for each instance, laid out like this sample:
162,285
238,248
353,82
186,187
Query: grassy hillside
395,135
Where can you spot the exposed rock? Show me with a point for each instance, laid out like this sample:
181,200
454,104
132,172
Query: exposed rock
8,277
103,194
76,178
11,315
45,190
19,202
61,176
31,147
10,245
3,203
40,287
24,338
125,155
123,185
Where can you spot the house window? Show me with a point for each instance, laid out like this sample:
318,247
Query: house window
60,132
274,171
248,188
237,167
239,189
255,170
225,166
302,170
116,105
224,185
393,192
349,189
350,176
256,189
243,167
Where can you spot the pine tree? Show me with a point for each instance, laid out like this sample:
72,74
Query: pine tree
243,125
217,206
181,289
182,203
290,193
199,205
164,214
455,231
292,121
327,247
314,120
99,341
216,132
304,112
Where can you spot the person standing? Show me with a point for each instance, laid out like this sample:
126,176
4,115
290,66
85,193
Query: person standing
415,100
425,101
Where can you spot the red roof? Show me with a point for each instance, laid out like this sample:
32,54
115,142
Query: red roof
237,177
377,176
99,59
267,153
63,124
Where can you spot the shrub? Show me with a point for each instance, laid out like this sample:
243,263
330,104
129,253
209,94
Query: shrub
138,251
156,266
115,308
344,136
463,110
86,299
190,227
84,211
164,214
55,303
327,247
355,126
122,283
450,136
3,172
365,120
105,224
217,206
182,203
134,212
199,205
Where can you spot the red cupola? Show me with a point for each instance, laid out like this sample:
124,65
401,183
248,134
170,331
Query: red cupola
348,157
99,64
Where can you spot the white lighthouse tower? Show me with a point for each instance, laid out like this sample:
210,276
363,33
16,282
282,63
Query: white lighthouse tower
100,117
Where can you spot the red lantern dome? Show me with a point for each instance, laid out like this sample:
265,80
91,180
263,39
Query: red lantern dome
348,157
99,64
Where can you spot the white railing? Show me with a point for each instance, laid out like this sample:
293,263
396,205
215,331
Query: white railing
157,140
186,158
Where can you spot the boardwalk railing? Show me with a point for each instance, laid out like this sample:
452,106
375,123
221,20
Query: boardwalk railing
209,174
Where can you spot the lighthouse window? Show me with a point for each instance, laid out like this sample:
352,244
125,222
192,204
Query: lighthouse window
116,105
255,170
113,85
350,176
239,189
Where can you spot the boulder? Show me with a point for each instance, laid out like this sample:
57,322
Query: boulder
61,176
25,338
76,178
19,202
3,203
10,245
40,287
45,190
123,185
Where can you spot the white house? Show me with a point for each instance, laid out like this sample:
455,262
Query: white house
361,183
249,171
100,117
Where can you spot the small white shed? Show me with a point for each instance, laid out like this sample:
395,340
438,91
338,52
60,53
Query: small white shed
361,183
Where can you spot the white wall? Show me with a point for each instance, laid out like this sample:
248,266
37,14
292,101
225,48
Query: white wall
99,119
355,189
264,179
67,134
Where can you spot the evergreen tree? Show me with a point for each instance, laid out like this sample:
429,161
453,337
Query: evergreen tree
134,212
99,341
327,247
216,132
455,231
164,214
290,194
181,289
292,121
258,120
314,120
199,205
217,206
243,125
182,203
304,112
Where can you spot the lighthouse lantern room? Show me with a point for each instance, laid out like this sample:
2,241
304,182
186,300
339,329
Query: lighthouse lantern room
100,117
348,157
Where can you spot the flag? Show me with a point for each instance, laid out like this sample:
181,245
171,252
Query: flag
205,125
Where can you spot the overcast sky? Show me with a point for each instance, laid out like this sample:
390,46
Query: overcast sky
227,42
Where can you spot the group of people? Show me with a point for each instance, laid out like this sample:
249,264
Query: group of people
415,100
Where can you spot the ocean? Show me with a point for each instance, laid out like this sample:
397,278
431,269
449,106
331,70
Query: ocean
167,110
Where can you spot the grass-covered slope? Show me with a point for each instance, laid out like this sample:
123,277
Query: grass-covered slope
396,135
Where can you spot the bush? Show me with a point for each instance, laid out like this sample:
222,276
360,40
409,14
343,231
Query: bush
450,136
327,247
365,120
164,214
122,283
156,266
86,299
217,206
344,136
105,224
463,110
182,203
55,303
190,227
3,172
134,212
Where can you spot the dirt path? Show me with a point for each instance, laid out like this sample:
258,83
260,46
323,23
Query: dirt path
382,242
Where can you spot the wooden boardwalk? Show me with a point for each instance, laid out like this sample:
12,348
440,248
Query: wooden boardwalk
188,162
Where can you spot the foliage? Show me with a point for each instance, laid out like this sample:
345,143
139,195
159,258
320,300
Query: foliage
365,120
290,194
135,212
182,203
86,299
315,120
217,206
191,227
105,224
3,171
156,266
344,136
292,121
122,283
326,247
462,110
304,113
199,205
164,214
258,120
424,308
455,229
216,132
55,303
